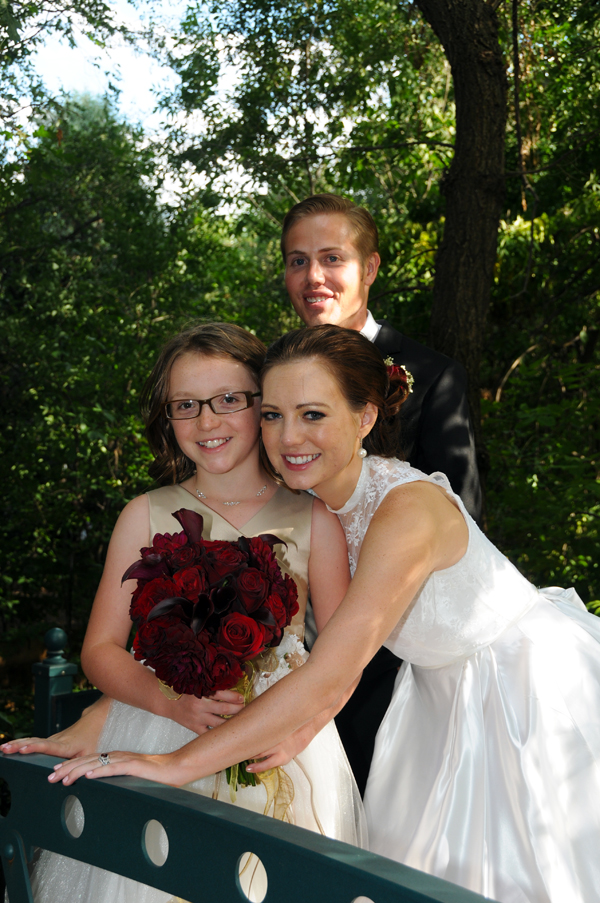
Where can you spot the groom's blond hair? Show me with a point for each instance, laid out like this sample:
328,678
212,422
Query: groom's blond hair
366,236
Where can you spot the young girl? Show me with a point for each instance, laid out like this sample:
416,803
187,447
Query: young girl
203,427
487,764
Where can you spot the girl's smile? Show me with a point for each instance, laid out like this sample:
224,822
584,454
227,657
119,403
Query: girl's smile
217,443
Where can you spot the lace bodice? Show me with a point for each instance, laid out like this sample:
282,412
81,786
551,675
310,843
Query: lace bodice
457,610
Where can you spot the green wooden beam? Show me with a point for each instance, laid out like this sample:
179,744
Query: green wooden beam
207,838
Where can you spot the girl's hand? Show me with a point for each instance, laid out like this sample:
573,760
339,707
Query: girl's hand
166,769
199,715
61,745
81,739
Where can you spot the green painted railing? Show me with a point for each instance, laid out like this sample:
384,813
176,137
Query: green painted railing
56,705
206,840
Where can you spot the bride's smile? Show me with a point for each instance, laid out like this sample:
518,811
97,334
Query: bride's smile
310,432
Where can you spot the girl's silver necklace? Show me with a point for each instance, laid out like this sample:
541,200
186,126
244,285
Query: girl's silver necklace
229,504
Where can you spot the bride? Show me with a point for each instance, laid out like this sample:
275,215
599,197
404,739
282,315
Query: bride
486,768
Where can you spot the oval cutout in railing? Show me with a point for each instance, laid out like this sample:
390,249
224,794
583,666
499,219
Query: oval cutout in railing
252,877
155,842
73,816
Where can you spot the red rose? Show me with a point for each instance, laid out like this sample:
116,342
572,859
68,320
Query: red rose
290,596
186,671
252,587
241,635
189,583
149,639
184,557
223,558
262,555
165,543
136,594
154,591
275,605
223,666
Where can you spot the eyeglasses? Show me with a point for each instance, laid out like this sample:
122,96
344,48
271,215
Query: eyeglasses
190,408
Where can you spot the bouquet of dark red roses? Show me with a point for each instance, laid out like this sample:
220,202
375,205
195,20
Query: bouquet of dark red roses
206,612
204,608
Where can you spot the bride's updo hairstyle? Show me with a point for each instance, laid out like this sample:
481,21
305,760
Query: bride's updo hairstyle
359,370
214,340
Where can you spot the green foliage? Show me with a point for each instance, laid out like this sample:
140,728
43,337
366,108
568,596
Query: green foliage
542,360
544,487
96,270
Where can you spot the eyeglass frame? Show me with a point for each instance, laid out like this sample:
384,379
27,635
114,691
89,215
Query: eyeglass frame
250,396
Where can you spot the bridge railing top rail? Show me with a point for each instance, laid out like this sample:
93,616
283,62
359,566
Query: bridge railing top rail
206,840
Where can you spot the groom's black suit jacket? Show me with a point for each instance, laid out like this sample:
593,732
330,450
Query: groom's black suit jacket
436,435
436,424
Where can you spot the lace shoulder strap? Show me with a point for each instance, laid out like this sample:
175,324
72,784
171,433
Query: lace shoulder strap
379,476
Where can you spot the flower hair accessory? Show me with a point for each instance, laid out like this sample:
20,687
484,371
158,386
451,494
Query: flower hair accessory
400,370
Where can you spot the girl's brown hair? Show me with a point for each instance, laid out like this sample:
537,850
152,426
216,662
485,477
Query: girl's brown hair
357,366
216,340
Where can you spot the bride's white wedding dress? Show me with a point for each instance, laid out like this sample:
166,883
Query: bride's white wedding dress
487,765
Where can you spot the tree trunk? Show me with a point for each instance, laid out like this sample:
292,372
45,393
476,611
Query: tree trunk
473,186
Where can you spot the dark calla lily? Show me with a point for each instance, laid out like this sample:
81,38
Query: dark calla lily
192,523
271,540
147,569
202,611
244,545
194,614
166,605
222,597
264,616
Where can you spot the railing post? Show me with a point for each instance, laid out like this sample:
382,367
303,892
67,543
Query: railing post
16,872
53,676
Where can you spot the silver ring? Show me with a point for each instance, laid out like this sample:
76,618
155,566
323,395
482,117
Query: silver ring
104,759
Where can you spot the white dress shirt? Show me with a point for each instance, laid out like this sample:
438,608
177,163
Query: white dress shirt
371,329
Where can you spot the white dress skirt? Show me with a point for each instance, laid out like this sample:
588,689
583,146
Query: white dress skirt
486,770
326,800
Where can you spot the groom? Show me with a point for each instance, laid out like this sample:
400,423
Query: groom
331,257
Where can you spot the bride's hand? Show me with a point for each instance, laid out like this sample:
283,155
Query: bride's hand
285,751
199,715
166,769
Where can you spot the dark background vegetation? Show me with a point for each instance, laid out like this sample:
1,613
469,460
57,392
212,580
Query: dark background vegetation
471,131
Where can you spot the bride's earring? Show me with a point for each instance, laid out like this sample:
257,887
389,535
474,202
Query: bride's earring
362,452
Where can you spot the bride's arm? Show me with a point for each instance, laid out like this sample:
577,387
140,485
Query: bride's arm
329,579
104,656
415,531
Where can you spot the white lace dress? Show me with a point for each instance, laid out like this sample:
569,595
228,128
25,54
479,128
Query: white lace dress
487,765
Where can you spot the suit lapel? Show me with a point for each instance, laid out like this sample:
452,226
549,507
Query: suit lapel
389,341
